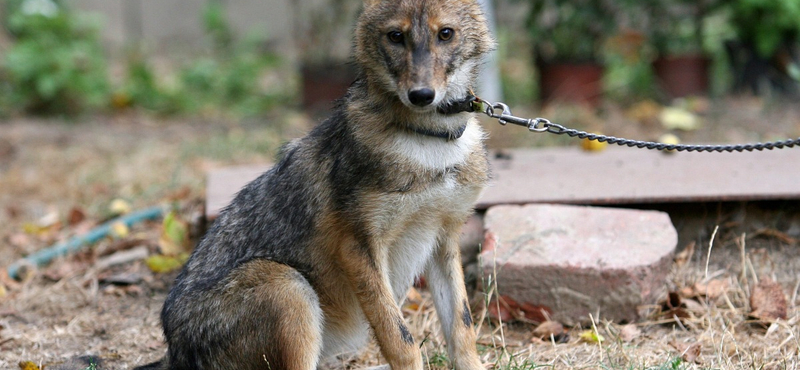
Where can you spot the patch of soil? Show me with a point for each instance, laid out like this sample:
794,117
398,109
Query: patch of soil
71,308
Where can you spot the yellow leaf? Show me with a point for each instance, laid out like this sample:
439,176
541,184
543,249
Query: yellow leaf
591,336
174,237
119,207
669,139
679,119
28,365
120,230
163,264
593,145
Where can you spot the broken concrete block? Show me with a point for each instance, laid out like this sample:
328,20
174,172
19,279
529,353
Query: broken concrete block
572,261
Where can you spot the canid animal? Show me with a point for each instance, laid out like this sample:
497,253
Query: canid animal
324,246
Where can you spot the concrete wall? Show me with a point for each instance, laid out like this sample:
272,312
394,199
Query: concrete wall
175,26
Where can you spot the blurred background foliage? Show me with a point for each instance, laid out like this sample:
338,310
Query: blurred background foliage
53,61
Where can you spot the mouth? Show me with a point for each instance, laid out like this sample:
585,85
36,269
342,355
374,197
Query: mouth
458,106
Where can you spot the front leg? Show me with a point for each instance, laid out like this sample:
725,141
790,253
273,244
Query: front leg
446,281
366,271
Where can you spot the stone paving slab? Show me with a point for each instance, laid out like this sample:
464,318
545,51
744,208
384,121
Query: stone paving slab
627,175
223,184
614,176
572,261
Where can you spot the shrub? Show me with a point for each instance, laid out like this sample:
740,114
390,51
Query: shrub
56,63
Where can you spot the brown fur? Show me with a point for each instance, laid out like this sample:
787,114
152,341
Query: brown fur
322,248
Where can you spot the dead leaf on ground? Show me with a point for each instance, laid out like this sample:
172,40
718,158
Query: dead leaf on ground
629,332
76,216
674,307
712,289
413,301
163,264
551,330
690,352
28,365
768,301
174,237
505,309
590,336
678,119
119,207
685,255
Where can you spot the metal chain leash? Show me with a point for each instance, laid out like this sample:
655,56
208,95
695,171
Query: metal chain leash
544,125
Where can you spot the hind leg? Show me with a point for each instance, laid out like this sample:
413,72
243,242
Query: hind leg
265,315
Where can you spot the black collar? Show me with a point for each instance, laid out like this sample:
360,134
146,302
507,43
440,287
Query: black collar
447,135
459,106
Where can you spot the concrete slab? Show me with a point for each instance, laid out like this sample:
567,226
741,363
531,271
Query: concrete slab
627,175
572,261
614,176
224,183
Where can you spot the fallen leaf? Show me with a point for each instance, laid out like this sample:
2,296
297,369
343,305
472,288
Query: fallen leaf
163,264
413,295
713,289
689,352
768,301
174,237
120,230
119,207
685,255
670,139
590,336
3,291
76,216
505,309
549,329
629,332
28,365
536,313
678,119
674,307
593,145
48,220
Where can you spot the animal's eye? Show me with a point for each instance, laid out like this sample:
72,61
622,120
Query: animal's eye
395,37
446,34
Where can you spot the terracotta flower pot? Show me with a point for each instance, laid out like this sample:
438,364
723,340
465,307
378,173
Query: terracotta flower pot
580,83
324,83
684,75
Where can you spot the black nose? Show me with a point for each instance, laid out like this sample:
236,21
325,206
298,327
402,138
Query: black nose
421,97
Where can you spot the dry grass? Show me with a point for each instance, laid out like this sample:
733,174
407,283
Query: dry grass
66,310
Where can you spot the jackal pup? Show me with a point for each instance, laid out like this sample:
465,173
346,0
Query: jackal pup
324,246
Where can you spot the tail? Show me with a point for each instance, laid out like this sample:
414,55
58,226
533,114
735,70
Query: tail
158,365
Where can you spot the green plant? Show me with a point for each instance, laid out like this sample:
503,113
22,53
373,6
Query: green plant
573,30
676,27
231,77
766,25
56,63
228,78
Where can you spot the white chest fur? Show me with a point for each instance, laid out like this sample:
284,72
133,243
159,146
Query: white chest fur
435,153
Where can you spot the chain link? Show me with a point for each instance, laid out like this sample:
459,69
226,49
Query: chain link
544,125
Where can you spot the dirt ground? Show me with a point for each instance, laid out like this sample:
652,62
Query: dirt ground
59,179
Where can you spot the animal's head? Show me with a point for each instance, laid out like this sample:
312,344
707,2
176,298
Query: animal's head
427,52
